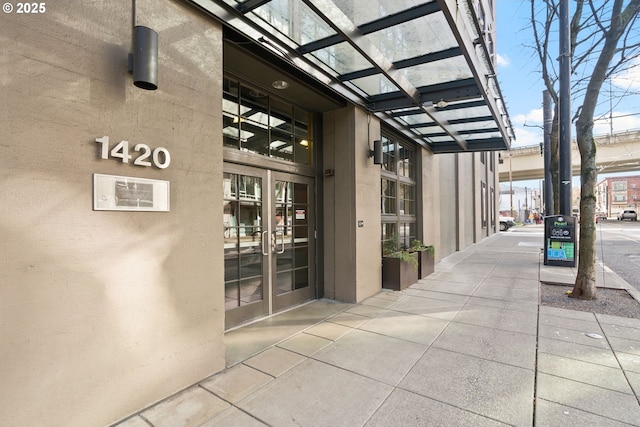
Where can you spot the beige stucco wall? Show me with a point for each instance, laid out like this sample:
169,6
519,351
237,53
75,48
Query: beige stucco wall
459,202
447,205
468,189
431,215
352,262
103,313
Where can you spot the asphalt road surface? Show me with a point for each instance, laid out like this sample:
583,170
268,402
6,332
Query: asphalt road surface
618,247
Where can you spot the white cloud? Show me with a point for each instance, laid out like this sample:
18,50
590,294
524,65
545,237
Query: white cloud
502,60
622,121
527,136
630,78
533,117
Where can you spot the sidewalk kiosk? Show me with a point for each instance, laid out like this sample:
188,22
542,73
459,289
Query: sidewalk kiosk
560,240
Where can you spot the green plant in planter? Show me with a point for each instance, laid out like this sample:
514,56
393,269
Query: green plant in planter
425,256
390,250
418,246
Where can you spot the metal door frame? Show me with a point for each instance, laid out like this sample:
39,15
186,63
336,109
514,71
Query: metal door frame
272,303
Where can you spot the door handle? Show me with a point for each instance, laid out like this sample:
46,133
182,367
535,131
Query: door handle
264,251
281,251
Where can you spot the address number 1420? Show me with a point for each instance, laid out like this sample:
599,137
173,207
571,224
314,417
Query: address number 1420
145,156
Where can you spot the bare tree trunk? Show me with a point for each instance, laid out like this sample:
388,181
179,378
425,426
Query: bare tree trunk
607,23
585,285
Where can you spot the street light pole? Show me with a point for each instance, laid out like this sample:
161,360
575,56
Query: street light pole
547,114
564,101
510,188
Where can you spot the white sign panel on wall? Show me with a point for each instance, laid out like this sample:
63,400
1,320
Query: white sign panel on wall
123,193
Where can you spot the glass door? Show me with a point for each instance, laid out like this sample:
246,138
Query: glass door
269,242
294,256
244,244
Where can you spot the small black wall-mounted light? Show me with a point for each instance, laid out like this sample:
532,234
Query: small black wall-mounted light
376,153
143,62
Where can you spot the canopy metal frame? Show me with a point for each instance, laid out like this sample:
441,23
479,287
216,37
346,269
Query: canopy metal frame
460,110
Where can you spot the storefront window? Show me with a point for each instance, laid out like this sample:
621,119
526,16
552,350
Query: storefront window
405,162
398,193
388,196
407,199
258,122
388,155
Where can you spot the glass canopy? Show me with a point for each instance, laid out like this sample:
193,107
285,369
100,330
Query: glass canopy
423,67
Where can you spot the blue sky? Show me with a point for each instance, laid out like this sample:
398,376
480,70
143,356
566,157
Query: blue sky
522,86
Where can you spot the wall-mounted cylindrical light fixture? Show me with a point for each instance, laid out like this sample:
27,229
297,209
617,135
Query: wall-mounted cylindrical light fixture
145,58
376,153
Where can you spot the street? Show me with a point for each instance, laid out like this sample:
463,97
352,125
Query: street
618,247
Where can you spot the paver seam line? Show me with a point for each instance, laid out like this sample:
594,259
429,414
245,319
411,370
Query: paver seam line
158,402
448,323
508,301
320,336
501,299
392,387
567,327
580,360
482,358
564,318
418,314
396,387
145,419
601,332
535,366
359,328
573,342
306,331
279,342
588,412
627,353
626,377
442,402
232,405
375,411
197,383
493,328
130,417
434,345
444,293
590,384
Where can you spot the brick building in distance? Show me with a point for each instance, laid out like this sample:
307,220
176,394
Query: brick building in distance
618,193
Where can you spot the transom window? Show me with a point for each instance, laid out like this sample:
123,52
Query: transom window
258,122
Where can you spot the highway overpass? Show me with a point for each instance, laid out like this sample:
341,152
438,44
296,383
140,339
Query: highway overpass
619,152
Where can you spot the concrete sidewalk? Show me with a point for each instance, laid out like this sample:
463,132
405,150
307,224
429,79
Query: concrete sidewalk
469,345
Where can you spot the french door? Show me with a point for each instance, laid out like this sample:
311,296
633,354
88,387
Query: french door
269,242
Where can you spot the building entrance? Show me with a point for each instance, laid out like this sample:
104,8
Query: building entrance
269,242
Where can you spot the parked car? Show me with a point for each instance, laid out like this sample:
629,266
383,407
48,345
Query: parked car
506,222
628,214
601,216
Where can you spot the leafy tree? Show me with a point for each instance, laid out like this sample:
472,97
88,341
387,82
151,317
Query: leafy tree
605,40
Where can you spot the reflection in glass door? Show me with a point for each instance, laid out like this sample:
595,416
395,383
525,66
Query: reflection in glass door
268,242
294,240
243,238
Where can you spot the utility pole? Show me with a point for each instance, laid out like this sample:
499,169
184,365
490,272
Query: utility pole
510,188
564,110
